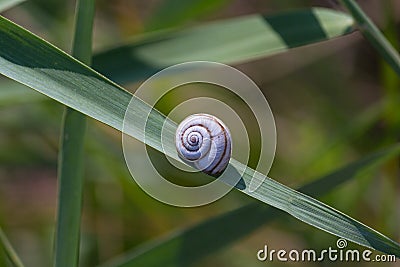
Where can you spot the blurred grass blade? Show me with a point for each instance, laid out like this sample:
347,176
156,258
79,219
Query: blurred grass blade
197,242
70,172
9,250
31,61
124,64
172,13
227,41
12,93
374,35
7,4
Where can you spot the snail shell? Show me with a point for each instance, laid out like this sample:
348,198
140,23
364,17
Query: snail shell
204,142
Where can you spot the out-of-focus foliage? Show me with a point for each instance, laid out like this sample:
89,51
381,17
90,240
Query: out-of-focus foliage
333,103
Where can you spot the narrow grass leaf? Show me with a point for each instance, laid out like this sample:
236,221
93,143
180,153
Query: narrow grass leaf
227,41
9,250
265,35
33,62
70,172
192,244
374,35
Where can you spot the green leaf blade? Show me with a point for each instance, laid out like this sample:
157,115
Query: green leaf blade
309,26
74,84
205,239
70,172
372,33
9,250
228,41
29,60
318,214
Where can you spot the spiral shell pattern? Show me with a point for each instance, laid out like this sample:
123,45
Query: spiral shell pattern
204,141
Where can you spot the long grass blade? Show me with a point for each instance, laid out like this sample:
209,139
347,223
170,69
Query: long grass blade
70,172
205,238
33,62
9,250
266,36
374,35
228,41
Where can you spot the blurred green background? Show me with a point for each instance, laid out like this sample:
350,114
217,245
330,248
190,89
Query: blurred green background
333,102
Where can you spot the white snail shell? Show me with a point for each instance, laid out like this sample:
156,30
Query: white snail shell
205,142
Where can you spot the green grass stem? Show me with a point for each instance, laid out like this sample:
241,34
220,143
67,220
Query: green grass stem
9,250
71,153
374,35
